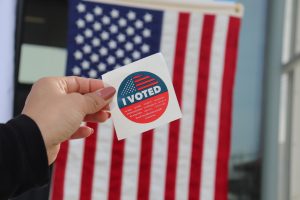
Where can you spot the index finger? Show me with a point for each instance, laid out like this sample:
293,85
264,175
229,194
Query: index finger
81,85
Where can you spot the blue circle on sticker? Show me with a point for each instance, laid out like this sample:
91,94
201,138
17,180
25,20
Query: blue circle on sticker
143,97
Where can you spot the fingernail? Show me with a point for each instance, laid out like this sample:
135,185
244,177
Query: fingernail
108,115
107,93
92,130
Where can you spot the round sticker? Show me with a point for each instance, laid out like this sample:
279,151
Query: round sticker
143,97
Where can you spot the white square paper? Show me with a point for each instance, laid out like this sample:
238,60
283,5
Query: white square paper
145,97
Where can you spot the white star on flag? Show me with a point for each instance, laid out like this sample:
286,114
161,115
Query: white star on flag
85,64
78,55
148,17
120,53
88,33
104,35
94,58
103,51
102,67
97,26
89,17
138,24
96,42
121,37
93,73
130,30
87,49
81,8
111,60
79,39
122,22
76,70
113,28
80,23
114,13
98,10
131,15
105,20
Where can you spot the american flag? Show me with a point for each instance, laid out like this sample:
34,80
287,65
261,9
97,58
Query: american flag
186,159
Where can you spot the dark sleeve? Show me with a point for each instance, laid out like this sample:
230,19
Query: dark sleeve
23,157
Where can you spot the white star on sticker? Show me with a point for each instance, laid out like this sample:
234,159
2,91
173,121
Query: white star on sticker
137,39
79,39
93,73
148,17
81,8
138,24
96,42
85,64
114,13
88,33
121,37
127,61
89,17
80,23
122,22
87,49
112,44
146,33
97,26
130,30
94,57
145,48
104,35
105,20
113,28
103,51
131,15
78,55
98,10
120,53
102,67
111,60
136,55
76,70
128,46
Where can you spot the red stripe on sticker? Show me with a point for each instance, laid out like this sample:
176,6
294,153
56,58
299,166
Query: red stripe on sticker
180,54
144,82
141,79
147,86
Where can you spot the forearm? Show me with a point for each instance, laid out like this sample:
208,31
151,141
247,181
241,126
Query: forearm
23,158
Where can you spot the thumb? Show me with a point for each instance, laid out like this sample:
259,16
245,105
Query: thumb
95,101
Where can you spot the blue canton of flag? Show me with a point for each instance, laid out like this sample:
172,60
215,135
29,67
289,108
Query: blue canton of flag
104,37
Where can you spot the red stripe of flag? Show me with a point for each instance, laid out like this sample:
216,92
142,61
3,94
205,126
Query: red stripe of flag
116,169
144,82
221,183
87,172
147,86
145,165
181,43
201,100
59,170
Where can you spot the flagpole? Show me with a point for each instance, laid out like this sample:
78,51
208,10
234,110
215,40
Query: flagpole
271,96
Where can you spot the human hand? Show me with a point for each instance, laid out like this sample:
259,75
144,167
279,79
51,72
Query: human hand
59,104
